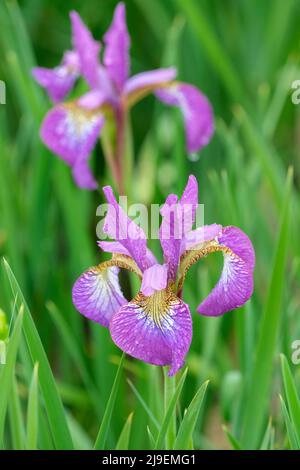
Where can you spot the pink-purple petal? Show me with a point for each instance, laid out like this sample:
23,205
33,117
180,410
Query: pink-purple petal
156,329
118,248
177,221
200,235
71,132
155,279
88,52
120,227
149,80
196,110
60,80
116,53
235,285
97,294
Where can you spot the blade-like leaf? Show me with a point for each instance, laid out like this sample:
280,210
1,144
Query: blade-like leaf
292,397
235,444
259,384
123,441
104,427
7,370
32,411
289,426
54,407
187,426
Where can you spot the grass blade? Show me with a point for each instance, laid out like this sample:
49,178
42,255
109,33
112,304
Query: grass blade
233,441
54,407
292,397
7,371
289,426
103,431
32,411
187,426
123,441
259,384
15,418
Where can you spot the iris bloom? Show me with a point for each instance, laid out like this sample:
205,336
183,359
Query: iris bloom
71,129
156,325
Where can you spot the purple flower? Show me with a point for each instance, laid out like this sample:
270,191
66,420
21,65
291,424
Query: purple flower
156,325
71,129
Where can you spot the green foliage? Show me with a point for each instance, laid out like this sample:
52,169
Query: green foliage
64,385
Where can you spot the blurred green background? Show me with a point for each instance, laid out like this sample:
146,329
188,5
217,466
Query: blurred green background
244,56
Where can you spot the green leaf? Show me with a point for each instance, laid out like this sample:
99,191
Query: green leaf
144,404
291,432
60,431
267,442
104,428
187,426
32,411
259,384
7,370
291,395
170,413
15,418
123,441
233,441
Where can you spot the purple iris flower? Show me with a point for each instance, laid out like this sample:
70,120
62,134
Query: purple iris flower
156,325
71,129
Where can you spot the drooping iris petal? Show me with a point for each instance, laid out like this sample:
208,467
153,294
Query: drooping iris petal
155,279
177,220
82,174
97,294
196,110
71,132
121,228
116,56
235,285
144,83
60,80
155,329
117,247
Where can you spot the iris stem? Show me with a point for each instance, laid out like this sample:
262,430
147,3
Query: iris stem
121,116
169,389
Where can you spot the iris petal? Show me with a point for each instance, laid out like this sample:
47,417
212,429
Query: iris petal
196,110
235,285
121,228
116,55
60,80
155,329
71,132
97,294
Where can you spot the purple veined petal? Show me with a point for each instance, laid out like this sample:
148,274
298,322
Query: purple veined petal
148,81
200,235
97,294
116,53
120,227
60,80
71,132
82,175
88,51
196,110
155,329
117,247
177,221
235,285
155,279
